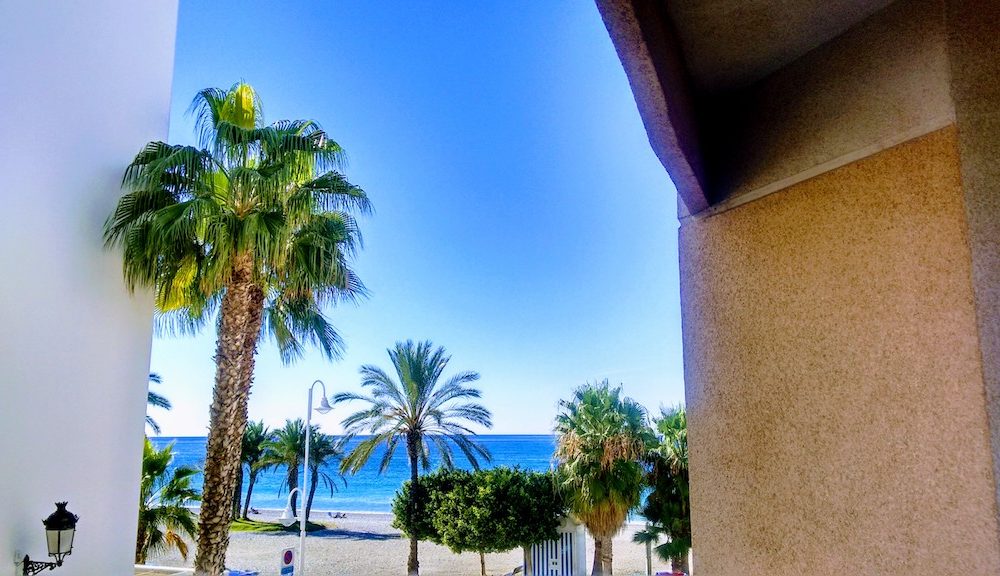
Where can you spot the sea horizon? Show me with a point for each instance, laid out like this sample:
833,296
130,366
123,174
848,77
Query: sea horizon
368,491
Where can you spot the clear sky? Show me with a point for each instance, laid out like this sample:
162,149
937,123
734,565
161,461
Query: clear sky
522,220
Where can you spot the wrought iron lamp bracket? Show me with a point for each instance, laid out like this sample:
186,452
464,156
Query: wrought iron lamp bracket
30,567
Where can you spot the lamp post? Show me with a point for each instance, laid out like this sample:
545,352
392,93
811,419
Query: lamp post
288,516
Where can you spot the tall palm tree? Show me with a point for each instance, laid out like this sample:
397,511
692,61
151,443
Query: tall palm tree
163,499
156,401
253,226
601,438
286,447
418,411
324,458
255,439
668,506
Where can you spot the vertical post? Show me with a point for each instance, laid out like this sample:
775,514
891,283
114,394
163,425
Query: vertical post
649,558
305,484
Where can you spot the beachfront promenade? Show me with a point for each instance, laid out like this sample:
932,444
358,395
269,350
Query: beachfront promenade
368,544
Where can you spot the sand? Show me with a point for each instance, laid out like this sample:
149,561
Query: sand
366,544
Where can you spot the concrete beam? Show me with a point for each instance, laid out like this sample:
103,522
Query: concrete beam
651,56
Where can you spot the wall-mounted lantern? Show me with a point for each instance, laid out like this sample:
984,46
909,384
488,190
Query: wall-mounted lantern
60,527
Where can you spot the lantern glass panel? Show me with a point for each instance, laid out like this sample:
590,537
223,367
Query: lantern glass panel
60,542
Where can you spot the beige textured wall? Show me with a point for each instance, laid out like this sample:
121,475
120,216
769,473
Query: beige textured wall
883,82
974,53
834,381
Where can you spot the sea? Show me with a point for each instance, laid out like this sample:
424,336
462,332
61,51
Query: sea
368,490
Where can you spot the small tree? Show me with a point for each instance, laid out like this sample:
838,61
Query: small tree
286,447
668,506
255,439
416,410
484,511
164,497
324,457
601,437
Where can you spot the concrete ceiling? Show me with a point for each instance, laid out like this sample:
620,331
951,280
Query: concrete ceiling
731,43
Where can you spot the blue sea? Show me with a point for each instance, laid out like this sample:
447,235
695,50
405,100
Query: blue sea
368,491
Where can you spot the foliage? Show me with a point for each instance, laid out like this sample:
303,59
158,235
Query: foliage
324,459
270,527
418,411
601,438
254,449
286,447
164,518
413,506
156,401
668,507
483,511
270,192
254,224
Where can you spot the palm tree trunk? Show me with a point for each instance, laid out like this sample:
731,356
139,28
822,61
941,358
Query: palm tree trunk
238,492
598,569
240,317
140,545
609,556
649,556
679,563
313,482
412,563
246,505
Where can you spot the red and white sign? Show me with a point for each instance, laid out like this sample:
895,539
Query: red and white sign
287,562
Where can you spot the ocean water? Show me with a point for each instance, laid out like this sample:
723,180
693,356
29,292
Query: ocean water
368,491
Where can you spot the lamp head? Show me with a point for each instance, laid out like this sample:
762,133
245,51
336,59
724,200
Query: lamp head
287,517
324,405
60,527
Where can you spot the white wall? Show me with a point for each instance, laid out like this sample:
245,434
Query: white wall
83,85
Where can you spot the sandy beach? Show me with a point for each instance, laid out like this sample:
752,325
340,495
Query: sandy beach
367,544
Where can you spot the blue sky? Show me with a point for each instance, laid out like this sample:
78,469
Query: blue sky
522,220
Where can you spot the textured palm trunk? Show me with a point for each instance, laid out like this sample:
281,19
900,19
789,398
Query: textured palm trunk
238,491
240,318
679,563
246,504
609,556
412,564
140,546
598,569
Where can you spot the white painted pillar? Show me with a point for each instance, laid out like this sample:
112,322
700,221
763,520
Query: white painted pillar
83,85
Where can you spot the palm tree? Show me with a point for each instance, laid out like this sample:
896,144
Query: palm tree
155,400
418,411
668,506
324,452
252,226
601,437
255,439
163,499
286,448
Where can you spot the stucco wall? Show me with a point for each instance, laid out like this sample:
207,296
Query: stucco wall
833,374
974,53
82,87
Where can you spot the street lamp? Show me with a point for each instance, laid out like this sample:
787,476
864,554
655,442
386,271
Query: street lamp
60,527
288,516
